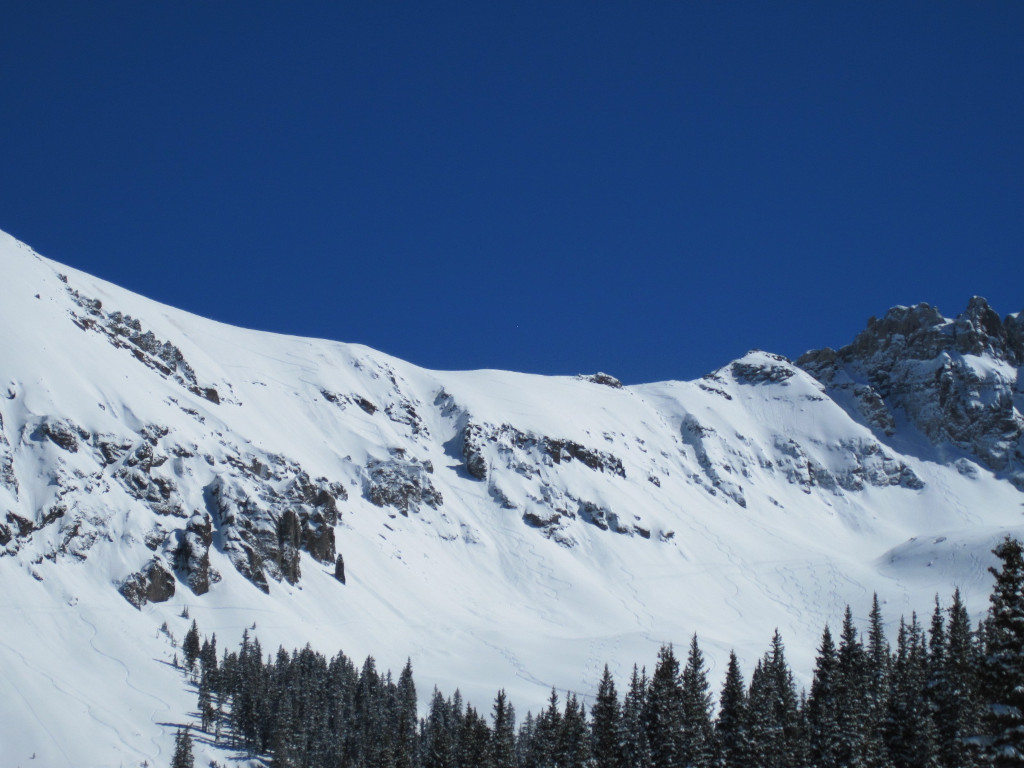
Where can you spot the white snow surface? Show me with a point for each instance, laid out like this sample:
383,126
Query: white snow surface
744,504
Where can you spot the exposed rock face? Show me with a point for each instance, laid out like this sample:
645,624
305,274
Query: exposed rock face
193,553
749,373
517,446
955,380
153,584
126,332
8,479
601,378
400,483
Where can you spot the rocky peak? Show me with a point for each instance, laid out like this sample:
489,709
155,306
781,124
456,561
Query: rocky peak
955,380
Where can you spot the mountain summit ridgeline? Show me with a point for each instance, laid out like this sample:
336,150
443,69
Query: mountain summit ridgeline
512,530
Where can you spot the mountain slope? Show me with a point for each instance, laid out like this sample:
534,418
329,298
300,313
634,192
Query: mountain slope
501,529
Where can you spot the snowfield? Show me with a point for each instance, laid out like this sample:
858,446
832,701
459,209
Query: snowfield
501,530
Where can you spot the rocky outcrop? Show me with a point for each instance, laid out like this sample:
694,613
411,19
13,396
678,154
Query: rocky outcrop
126,332
776,369
192,557
521,448
8,479
400,483
603,379
957,381
153,584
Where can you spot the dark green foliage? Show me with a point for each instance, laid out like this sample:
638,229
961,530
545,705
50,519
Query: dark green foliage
664,712
635,748
731,728
910,728
822,711
1003,665
190,646
698,731
945,699
503,747
774,718
958,710
574,736
182,757
605,725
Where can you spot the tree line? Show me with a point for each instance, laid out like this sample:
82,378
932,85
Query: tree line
947,696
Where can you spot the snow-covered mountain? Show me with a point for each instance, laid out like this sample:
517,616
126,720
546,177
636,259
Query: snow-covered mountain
500,529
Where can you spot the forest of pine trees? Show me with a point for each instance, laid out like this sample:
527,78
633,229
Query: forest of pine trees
947,696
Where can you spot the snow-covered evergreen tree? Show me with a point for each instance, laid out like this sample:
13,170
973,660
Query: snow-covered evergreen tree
665,714
635,747
605,723
822,711
504,732
910,728
698,731
1003,668
731,728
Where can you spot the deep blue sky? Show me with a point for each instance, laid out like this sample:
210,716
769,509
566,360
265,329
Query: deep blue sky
648,189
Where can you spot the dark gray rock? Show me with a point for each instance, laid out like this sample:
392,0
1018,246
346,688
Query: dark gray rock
153,584
956,381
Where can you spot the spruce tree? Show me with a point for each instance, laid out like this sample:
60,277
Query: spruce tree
1003,668
665,716
731,735
773,711
182,757
190,646
822,712
605,723
573,749
853,693
910,728
634,745
438,737
958,717
879,664
405,736
504,732
698,741
547,734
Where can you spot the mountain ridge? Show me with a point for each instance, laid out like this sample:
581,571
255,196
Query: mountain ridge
502,529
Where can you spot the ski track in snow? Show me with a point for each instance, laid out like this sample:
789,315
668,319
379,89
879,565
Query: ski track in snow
164,704
30,707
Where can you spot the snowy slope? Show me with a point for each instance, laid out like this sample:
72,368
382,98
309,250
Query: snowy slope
500,529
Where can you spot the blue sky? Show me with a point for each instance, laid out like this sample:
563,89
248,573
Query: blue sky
648,189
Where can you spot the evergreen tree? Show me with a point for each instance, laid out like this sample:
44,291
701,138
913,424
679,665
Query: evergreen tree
504,733
474,742
605,724
958,714
438,737
182,757
573,749
731,735
526,742
774,723
822,712
190,646
547,735
405,736
665,715
698,741
910,729
1003,668
879,665
634,746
